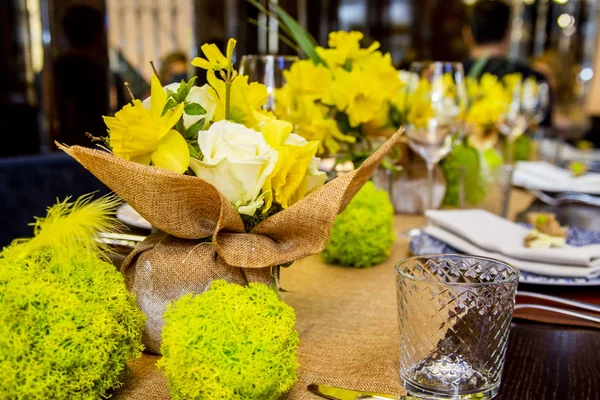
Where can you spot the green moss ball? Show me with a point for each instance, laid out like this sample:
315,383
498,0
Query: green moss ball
231,342
67,325
363,234
463,164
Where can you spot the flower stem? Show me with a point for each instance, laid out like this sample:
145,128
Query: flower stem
230,76
227,92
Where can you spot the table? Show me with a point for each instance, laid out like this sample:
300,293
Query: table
347,323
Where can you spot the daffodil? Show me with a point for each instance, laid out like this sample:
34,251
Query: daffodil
146,136
345,48
306,78
353,93
246,99
296,173
215,60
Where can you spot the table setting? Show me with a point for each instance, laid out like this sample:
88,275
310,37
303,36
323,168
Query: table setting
227,265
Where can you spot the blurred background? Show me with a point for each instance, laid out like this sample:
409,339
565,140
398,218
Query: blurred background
65,63
66,60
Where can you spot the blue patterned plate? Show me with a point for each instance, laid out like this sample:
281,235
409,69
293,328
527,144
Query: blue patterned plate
423,243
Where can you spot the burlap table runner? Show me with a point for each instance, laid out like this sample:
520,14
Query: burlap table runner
347,323
347,320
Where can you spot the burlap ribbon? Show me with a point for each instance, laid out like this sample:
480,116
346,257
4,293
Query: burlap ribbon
186,209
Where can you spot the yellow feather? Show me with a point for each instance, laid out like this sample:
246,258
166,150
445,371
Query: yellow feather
72,226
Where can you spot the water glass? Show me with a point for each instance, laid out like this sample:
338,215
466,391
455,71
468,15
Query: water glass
268,70
454,316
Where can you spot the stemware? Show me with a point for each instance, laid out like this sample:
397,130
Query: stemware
528,106
268,70
436,107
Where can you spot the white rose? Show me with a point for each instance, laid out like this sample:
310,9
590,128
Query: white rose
237,161
204,95
314,178
207,98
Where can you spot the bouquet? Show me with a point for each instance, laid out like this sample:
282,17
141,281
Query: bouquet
342,97
232,191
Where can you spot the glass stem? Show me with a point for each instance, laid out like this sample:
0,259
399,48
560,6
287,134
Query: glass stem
510,150
430,185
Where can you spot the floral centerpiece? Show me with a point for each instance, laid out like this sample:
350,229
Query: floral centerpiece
233,193
341,97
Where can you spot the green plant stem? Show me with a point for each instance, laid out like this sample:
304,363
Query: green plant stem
228,91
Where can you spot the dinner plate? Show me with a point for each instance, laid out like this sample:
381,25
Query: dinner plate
422,243
129,216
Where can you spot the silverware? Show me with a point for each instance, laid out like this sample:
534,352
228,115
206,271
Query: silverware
556,310
560,300
336,393
566,198
119,239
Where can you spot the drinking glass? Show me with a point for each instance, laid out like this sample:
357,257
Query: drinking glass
454,316
268,70
436,107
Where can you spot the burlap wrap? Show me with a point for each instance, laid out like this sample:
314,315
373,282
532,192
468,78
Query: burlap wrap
187,209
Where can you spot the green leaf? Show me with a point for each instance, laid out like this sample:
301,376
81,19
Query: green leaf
289,25
192,131
194,109
170,104
184,89
305,41
172,95
194,153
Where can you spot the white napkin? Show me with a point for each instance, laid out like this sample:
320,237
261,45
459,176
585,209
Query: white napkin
567,152
481,233
550,178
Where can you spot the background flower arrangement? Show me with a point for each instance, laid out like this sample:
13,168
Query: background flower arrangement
469,166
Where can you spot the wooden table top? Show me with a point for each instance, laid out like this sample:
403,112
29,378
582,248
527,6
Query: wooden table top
347,321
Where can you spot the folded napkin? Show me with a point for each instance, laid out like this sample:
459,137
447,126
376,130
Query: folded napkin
543,176
548,148
481,233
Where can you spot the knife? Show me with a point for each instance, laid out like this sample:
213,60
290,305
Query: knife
336,393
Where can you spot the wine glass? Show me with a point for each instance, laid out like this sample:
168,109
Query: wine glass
528,106
268,70
436,107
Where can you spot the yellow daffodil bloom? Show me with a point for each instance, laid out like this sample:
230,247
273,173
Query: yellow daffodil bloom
345,48
295,174
305,78
215,60
354,93
246,99
146,136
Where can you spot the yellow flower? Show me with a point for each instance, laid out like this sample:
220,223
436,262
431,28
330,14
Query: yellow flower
354,93
489,100
295,174
215,60
306,78
311,120
246,99
344,48
383,76
146,136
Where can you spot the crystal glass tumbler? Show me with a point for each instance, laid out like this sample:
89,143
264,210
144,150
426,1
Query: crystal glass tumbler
454,316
